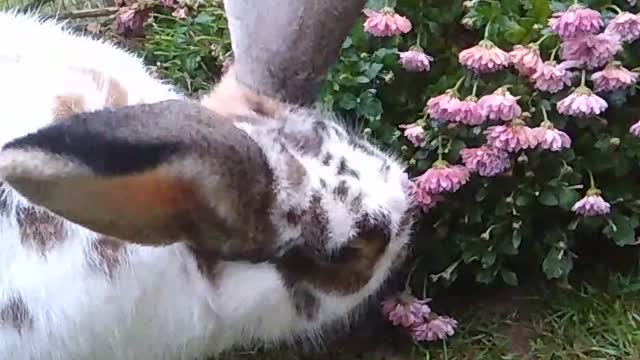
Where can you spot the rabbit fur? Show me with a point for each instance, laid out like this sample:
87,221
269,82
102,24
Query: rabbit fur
330,221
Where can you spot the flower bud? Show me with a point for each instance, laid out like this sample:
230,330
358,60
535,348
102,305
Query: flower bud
467,22
389,77
614,141
523,159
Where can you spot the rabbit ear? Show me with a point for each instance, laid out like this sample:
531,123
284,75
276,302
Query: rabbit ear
282,52
150,174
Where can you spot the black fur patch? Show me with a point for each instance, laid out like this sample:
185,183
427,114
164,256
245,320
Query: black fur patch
80,138
341,191
346,170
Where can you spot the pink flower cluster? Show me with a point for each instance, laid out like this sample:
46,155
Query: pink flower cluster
613,77
415,60
592,204
417,318
581,103
427,189
485,57
626,25
414,133
385,23
442,178
576,21
500,105
486,160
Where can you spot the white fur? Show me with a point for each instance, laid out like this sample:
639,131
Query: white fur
158,305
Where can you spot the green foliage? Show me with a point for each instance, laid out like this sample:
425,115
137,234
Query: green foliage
493,229
188,52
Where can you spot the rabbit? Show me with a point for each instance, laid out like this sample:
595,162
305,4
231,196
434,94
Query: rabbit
136,223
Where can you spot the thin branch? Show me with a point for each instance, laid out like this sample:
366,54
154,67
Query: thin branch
85,13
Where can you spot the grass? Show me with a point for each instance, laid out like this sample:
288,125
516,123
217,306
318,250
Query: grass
587,323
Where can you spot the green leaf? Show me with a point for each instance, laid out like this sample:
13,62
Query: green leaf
509,277
369,106
481,194
542,10
556,264
516,239
567,198
203,18
522,200
361,79
548,198
348,101
373,70
347,42
623,229
485,276
515,33
488,259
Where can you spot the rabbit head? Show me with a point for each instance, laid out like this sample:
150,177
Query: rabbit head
299,190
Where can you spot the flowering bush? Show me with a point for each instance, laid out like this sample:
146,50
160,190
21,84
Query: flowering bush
518,121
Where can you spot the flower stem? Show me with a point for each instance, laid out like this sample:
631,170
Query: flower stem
418,39
458,84
553,52
475,87
407,288
444,347
613,7
584,78
544,113
593,183
486,29
440,147
543,38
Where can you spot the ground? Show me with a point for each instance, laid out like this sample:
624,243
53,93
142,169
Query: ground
537,323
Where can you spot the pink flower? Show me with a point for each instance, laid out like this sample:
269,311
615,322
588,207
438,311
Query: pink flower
414,133
635,129
443,177
425,200
592,204
577,20
438,328
613,77
168,3
180,13
512,137
468,112
591,51
626,25
551,77
526,59
500,105
419,197
385,23
484,57
405,310
582,102
551,138
444,107
415,59
485,160
129,21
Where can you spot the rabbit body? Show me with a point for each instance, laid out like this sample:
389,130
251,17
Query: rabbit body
67,292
